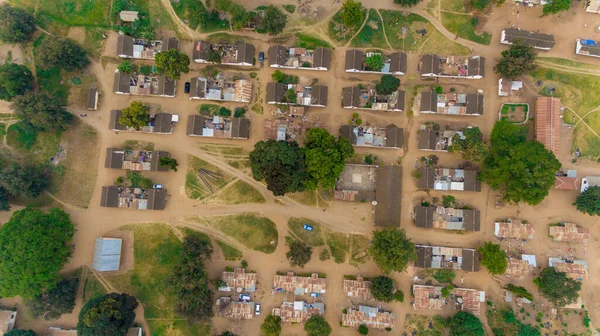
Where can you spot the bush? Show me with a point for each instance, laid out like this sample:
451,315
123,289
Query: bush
444,275
239,112
363,329
399,296
324,255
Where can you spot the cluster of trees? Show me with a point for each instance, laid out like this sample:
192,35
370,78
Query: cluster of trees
317,326
493,257
286,167
392,250
142,27
20,332
388,84
557,287
63,53
15,80
55,302
407,3
274,21
16,25
556,6
517,60
108,315
352,13
19,180
136,115
168,162
464,323
471,147
588,201
42,113
384,289
173,62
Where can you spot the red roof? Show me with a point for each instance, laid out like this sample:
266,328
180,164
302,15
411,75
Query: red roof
567,183
547,123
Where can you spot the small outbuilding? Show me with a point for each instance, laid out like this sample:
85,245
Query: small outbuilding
91,102
128,16
107,255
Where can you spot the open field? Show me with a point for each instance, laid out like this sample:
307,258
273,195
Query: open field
229,252
203,179
371,35
338,32
464,26
310,42
238,192
401,29
457,6
91,286
423,325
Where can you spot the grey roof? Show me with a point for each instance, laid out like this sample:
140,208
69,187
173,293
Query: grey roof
346,131
245,52
471,181
319,95
354,59
166,86
388,194
428,101
424,218
476,66
474,104
113,123
162,123
589,48
350,96
470,260
471,220
424,256
125,45
394,136
121,83
92,99
197,88
172,43
430,63
275,92
398,62
277,54
322,58
195,124
240,128
427,139
110,197
107,254
539,40
427,178
114,158
201,50
401,100
157,199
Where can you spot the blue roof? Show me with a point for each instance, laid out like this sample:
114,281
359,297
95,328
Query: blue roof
107,254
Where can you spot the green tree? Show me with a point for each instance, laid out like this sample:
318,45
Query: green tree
191,281
271,326
388,84
317,326
528,330
16,25
280,164
109,315
444,275
465,324
4,203
42,112
448,201
363,329
392,250
471,147
21,180
588,201
517,60
352,13
556,6
62,53
479,4
375,62
520,291
523,170
382,288
173,62
290,96
15,80
58,301
325,158
126,67
33,249
299,253
406,3
168,162
275,20
557,287
493,257
136,116
20,332
277,76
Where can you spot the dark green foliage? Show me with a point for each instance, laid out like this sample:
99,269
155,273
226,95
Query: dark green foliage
15,80
557,287
382,288
317,326
173,62
399,296
20,332
290,96
168,162
586,320
58,301
21,180
127,67
374,62
108,315
439,90
509,317
239,112
406,3
325,158
33,249
16,25
523,170
137,180
352,13
528,330
444,275
136,116
363,329
479,4
280,164
588,201
556,6
4,204
191,282
520,291
42,112
277,76
392,250
493,258
224,112
517,60
387,85
448,201
146,70
299,253
63,53
271,326
465,324
275,20
471,148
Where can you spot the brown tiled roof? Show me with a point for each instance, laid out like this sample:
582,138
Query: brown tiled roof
471,300
290,282
514,228
517,268
573,270
569,232
239,278
370,316
322,58
427,297
567,183
547,123
235,310
358,288
289,314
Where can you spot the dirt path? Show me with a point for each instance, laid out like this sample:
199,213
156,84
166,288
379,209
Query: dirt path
567,68
383,28
184,29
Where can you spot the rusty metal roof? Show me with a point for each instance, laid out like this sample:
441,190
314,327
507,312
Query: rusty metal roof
239,278
569,232
514,228
547,123
427,297
358,288
471,299
291,283
372,317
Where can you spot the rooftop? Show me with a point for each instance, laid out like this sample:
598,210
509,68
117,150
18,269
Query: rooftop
575,269
297,94
107,254
507,87
448,179
141,85
567,183
298,311
366,97
470,299
135,198
520,268
235,310
394,63
134,159
452,103
447,218
373,136
240,53
299,58
569,232
221,87
238,281
218,127
513,228
427,297
358,288
129,47
547,123
537,40
430,139
370,316
465,259
452,66
587,47
159,123
356,182
299,285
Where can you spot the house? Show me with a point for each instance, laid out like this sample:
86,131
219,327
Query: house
218,127
357,288
107,254
569,232
448,179
133,198
547,123
465,259
372,136
432,140
575,269
299,58
568,181
159,123
430,298
431,217
239,54
587,47
433,66
427,297
513,228
91,102
141,85
222,87
507,87
235,310
238,281
372,317
298,311
536,40
57,331
469,104
129,47
135,160
469,300
592,6
381,186
128,16
520,268
365,97
296,94
299,285
7,321
393,64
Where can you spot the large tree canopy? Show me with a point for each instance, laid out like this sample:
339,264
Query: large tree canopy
53,303
275,20
465,324
493,258
4,204
523,170
383,288
471,147
557,287
392,250
280,164
352,13
63,53
388,84
517,60
136,116
174,62
109,315
16,25
15,80
299,253
271,326
317,326
588,201
325,158
42,112
20,181
20,332
406,3
33,249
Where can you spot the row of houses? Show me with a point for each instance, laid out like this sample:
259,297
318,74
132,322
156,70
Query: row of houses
541,41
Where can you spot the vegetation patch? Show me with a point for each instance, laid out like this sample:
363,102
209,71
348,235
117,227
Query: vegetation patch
310,42
338,31
229,252
405,31
91,286
289,8
437,43
203,179
371,35
195,15
464,26
313,238
424,325
515,113
69,12
238,192
51,80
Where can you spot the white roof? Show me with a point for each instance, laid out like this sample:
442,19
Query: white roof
530,258
298,305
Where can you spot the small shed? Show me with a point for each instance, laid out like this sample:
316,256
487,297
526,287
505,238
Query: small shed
128,16
92,99
107,255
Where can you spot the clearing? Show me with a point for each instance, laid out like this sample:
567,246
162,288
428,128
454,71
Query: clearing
203,179
338,32
237,192
371,35
401,29
464,26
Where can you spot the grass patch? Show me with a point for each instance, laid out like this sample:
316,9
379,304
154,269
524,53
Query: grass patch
425,325
312,238
69,12
208,109
20,136
159,16
409,40
371,35
224,150
229,252
239,192
457,6
439,44
189,11
339,245
289,8
359,251
568,63
338,32
203,237
203,179
313,198
2,131
253,231
311,42
225,38
463,26
91,287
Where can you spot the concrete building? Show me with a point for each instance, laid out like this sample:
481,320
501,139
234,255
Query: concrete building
107,254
